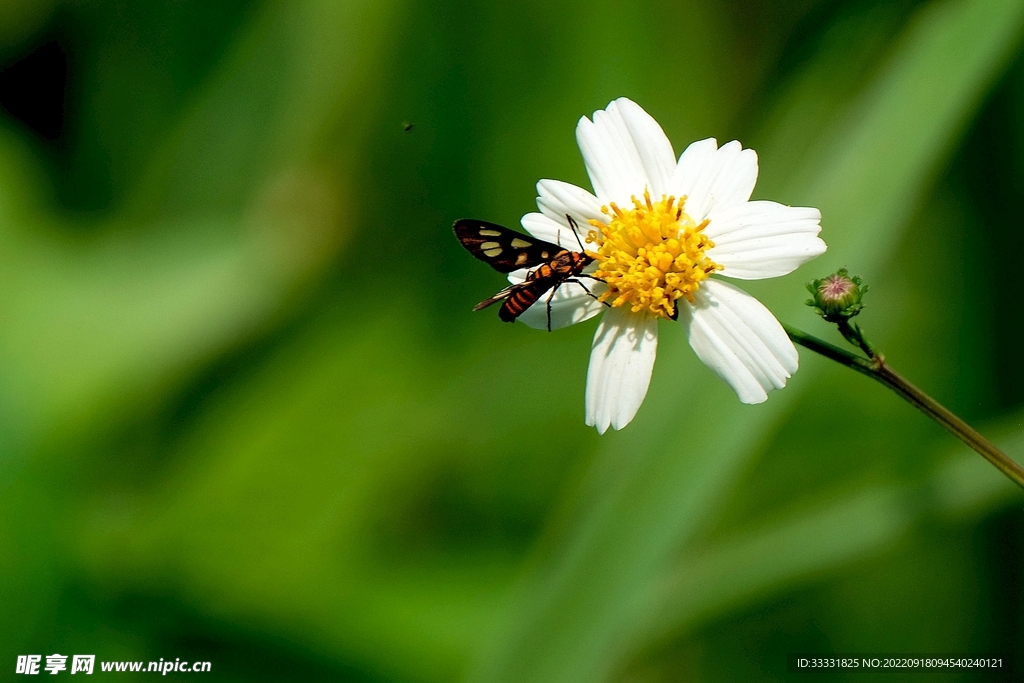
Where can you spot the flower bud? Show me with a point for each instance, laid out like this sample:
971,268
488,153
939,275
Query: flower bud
837,297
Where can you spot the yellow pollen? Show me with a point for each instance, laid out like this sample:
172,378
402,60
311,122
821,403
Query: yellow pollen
651,255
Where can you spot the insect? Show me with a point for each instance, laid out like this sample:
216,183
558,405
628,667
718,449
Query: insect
507,250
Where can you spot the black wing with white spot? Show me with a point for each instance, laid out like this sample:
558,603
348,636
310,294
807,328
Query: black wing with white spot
505,250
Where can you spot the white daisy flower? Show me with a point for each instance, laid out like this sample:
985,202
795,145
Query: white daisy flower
661,227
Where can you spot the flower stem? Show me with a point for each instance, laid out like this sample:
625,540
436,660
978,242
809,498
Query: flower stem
876,368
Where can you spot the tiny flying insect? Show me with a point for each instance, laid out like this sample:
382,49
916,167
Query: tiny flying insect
507,250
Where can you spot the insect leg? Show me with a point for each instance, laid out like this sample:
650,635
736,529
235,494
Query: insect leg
595,279
550,297
589,293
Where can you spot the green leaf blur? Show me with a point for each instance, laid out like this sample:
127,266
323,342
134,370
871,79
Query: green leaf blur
249,417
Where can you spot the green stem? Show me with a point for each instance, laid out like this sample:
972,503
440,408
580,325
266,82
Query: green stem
877,369
851,331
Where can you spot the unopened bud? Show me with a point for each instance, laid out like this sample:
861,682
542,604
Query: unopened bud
837,297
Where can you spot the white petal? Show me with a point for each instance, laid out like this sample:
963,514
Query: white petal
692,162
625,152
557,199
550,230
714,177
652,144
570,304
621,361
738,338
763,239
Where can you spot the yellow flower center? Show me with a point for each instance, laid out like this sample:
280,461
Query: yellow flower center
651,255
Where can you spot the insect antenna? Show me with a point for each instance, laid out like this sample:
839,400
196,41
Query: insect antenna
576,231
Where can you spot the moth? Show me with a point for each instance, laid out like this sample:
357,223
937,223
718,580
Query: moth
507,250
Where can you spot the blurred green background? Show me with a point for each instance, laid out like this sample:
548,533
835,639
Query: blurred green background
248,417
